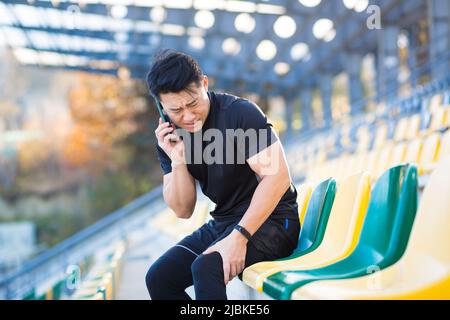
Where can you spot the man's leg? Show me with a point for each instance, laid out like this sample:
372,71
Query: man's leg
208,277
207,273
272,241
170,275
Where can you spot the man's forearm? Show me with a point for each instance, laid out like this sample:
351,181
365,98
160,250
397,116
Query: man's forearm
265,198
179,192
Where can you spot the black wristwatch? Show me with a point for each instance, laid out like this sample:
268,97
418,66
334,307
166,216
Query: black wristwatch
244,231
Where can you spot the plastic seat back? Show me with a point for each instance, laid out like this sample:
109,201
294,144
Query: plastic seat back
346,217
431,234
303,195
316,217
390,215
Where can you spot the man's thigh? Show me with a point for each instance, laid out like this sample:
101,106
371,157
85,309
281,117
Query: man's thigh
202,238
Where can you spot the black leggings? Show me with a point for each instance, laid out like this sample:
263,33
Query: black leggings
184,264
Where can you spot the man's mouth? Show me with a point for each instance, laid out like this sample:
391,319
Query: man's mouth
190,124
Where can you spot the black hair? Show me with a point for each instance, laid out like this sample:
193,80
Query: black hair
172,71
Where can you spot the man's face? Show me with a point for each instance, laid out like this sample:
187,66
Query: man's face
188,109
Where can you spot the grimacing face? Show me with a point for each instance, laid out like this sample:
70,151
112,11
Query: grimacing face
188,109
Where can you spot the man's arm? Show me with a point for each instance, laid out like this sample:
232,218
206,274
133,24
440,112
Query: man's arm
178,184
179,191
271,166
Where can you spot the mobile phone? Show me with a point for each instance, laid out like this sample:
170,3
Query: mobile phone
164,117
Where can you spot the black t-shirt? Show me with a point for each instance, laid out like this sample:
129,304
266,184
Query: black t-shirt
230,185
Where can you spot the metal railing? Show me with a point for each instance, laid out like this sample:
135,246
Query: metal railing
53,263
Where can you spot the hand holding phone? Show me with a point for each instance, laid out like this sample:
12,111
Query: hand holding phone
164,117
172,145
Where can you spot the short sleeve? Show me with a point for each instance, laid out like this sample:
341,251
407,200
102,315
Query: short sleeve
166,163
257,131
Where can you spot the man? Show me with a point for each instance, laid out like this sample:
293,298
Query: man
256,214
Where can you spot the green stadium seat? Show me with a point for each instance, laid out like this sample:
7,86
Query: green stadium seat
316,217
341,235
423,272
383,240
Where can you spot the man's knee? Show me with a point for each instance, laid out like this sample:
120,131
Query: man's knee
154,278
206,265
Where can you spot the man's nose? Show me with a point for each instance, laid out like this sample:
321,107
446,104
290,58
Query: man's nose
188,116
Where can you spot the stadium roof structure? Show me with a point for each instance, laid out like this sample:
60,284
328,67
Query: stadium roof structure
270,47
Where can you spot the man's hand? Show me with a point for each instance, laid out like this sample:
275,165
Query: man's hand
165,134
232,248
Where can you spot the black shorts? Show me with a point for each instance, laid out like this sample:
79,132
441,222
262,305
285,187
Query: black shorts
276,238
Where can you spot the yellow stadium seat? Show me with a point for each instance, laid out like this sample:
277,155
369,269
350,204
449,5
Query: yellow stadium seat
311,173
345,165
413,151
435,102
398,154
303,195
413,127
430,150
184,227
89,294
345,135
164,218
384,160
348,166
380,136
447,116
444,149
342,233
320,172
439,119
358,163
401,129
423,272
363,137
321,155
371,161
341,165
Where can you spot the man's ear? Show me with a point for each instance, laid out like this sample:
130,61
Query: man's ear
205,82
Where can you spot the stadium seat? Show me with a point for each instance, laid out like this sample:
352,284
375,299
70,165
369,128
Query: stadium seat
435,102
90,294
424,270
413,151
103,279
398,154
316,217
444,149
164,218
358,163
371,160
413,128
447,116
401,129
384,160
438,119
341,167
303,195
341,234
380,135
430,150
363,137
183,227
383,239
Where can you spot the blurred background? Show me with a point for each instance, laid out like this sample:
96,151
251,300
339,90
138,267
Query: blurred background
76,121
